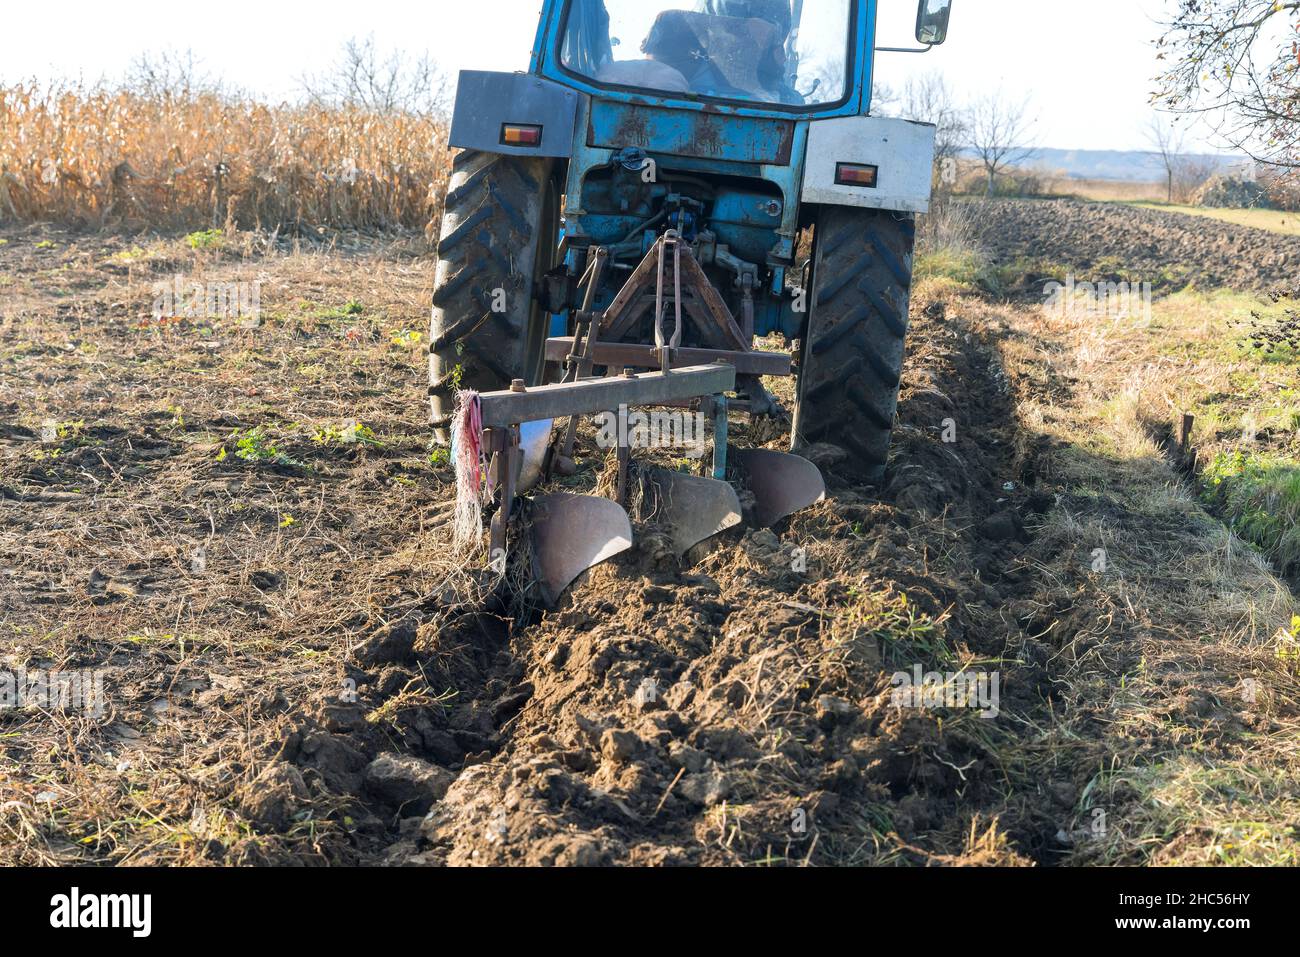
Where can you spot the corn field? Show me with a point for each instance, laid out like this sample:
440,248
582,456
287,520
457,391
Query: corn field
104,158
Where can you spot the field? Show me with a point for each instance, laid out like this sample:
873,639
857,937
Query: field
196,159
1273,220
243,524
1104,190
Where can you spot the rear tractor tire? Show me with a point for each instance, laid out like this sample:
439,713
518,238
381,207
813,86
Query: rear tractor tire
498,239
851,365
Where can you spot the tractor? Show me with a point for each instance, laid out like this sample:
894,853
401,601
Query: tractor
670,183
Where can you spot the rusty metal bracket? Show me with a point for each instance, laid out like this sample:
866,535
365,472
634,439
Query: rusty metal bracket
501,410
503,445
704,305
664,348
580,360
638,355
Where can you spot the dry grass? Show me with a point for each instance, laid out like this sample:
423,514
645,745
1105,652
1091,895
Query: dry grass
951,228
1273,220
1196,355
1179,649
1033,180
103,157
1104,190
99,527
1178,644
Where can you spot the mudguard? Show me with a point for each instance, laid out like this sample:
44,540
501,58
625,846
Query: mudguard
486,102
901,150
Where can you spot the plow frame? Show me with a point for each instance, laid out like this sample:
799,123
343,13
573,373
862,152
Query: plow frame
503,413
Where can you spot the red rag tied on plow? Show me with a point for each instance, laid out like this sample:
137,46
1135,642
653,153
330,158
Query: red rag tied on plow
473,486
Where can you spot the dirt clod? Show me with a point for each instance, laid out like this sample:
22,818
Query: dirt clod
832,711
1005,526
275,797
391,646
407,783
707,788
620,746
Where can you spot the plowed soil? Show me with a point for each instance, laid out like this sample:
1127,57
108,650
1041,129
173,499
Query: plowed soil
1167,249
329,686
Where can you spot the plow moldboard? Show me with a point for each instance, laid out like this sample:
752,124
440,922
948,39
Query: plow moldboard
693,509
782,483
572,533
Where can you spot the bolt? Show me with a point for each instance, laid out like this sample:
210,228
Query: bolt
629,373
518,386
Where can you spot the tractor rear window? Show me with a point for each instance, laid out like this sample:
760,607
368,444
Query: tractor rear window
787,52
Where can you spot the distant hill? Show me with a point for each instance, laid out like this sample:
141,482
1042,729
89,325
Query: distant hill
1133,166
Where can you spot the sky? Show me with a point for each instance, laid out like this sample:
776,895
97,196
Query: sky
1087,65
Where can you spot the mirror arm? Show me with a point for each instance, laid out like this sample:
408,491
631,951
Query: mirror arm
925,49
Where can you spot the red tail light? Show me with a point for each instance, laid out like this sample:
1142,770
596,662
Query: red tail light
519,134
854,174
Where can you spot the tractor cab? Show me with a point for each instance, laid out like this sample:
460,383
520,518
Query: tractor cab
738,51
773,56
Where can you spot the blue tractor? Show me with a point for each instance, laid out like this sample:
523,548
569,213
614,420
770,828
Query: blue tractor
670,182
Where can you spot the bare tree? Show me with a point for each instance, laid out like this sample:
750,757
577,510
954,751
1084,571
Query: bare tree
1167,140
1000,134
1190,174
1236,62
884,99
929,99
362,77
169,73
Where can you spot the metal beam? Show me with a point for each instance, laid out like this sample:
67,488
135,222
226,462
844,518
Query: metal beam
640,355
503,409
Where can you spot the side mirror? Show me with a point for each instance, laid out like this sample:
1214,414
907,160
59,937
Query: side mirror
932,21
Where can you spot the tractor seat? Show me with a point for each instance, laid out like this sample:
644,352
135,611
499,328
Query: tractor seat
645,75
715,54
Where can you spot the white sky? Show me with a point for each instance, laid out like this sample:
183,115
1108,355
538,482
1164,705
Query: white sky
1088,64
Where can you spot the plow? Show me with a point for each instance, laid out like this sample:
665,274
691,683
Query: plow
571,533
626,222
